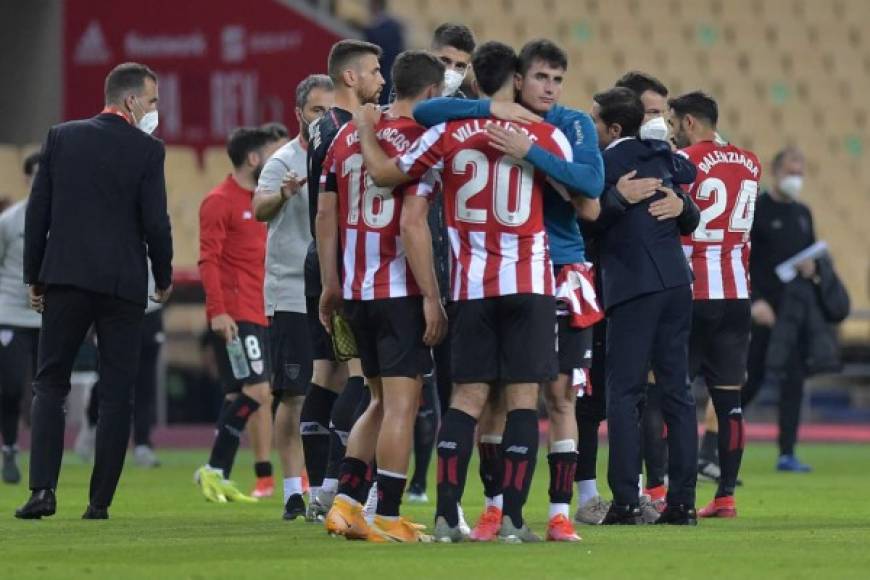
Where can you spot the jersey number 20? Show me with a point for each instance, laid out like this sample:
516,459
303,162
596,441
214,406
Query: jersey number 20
507,171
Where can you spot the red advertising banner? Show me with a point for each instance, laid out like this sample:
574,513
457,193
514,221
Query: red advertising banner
220,63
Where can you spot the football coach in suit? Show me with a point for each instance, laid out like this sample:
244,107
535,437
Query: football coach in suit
97,208
646,289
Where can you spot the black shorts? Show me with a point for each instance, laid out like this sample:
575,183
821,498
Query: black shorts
290,347
321,344
504,339
575,346
592,406
389,336
255,344
719,343
18,346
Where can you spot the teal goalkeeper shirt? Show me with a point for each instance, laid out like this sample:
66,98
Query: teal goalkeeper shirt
585,175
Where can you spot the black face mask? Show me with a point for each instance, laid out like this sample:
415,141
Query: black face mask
303,128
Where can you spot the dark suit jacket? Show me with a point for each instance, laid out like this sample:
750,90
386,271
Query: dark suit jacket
638,253
97,206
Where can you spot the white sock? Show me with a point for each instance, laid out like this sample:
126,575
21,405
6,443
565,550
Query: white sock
640,485
496,501
312,492
564,446
292,486
330,485
586,490
559,508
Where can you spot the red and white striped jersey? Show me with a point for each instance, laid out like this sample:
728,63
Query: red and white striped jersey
374,264
725,191
493,205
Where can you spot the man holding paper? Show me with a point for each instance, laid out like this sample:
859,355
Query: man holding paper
783,227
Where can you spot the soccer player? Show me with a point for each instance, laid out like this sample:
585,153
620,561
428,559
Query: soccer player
19,327
452,44
282,201
718,251
542,66
502,287
389,295
231,263
356,74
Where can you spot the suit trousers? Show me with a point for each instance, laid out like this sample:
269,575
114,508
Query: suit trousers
651,331
69,313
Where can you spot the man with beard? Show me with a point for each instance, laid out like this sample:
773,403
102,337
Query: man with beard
231,263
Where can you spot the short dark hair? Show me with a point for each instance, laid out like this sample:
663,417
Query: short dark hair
244,140
276,130
344,51
542,49
621,105
126,78
30,162
783,154
414,71
494,63
458,36
308,84
698,104
641,82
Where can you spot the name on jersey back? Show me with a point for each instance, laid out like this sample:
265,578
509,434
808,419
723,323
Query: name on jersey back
714,158
474,127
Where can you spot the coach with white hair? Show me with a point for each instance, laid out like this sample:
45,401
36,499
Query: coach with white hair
97,209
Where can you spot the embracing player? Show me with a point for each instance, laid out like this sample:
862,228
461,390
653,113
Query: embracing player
718,251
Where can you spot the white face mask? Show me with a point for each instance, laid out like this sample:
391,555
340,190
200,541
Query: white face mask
791,185
452,81
148,122
656,128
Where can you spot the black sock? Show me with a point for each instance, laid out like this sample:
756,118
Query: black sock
587,450
10,403
390,489
352,478
655,442
520,446
314,427
726,403
563,466
491,467
455,444
709,446
425,430
263,469
341,422
229,430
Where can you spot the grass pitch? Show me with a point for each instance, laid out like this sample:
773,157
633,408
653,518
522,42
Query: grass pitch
790,526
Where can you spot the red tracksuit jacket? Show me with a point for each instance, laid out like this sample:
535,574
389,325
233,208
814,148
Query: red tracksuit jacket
232,254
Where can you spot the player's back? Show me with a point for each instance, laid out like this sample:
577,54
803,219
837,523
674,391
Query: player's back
374,261
725,192
494,211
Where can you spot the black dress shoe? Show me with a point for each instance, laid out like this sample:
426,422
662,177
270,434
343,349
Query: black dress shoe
95,513
295,507
679,515
42,503
623,515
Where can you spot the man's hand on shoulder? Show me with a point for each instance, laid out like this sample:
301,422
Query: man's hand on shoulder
635,190
513,143
513,112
